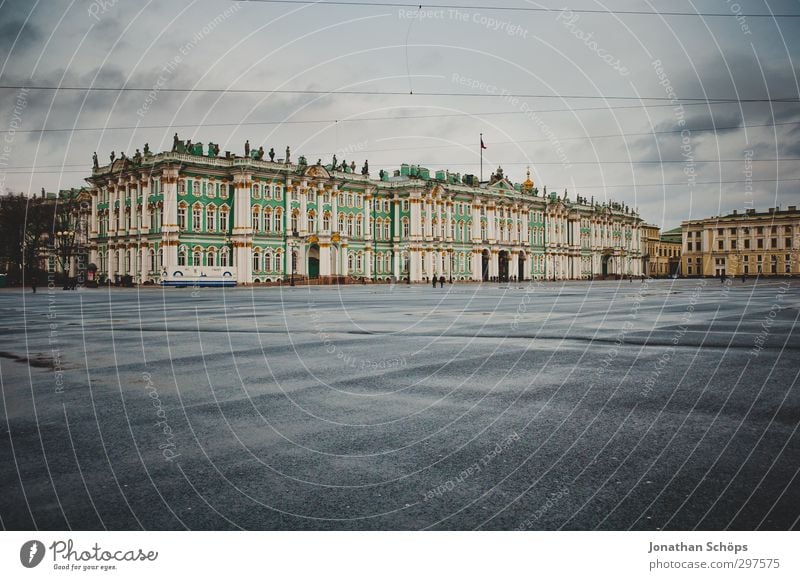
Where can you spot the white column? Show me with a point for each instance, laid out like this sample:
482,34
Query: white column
396,221
320,212
334,210
324,259
476,222
367,233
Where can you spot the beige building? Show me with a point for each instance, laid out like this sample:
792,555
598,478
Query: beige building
750,243
662,252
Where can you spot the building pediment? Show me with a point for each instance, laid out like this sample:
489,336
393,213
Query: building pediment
317,171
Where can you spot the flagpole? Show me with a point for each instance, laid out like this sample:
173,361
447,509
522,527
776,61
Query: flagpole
481,147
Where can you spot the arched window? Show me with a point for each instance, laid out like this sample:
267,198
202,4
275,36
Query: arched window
223,219
268,260
277,262
197,256
278,220
160,258
405,227
256,218
358,227
387,230
182,216
256,191
312,221
182,252
326,222
379,228
152,260
294,220
349,263
211,221
197,218
257,260
224,258
350,225
211,257
359,261
267,219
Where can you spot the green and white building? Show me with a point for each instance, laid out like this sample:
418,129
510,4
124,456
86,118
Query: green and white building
186,213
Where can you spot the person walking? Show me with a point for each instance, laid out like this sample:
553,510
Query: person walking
33,284
441,281
434,280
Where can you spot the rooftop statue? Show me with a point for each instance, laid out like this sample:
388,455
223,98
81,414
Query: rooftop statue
271,154
247,148
365,168
137,158
352,167
146,149
95,164
175,142
287,155
112,156
260,155
333,163
302,161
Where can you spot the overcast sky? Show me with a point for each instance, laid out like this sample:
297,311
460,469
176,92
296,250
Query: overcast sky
263,46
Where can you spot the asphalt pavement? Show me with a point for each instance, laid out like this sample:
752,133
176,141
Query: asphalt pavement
668,404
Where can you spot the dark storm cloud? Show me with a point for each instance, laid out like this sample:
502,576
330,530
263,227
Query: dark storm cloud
17,30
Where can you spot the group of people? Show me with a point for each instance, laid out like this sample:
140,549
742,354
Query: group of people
440,279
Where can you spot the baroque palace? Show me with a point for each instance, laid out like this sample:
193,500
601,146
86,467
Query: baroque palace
190,214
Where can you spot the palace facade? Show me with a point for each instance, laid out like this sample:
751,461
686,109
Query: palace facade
187,212
749,243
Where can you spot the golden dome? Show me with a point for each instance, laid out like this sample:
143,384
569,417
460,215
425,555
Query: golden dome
528,183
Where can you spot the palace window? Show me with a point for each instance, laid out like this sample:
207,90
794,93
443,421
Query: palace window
326,222
181,217
294,194
278,193
223,219
196,188
405,227
387,230
224,257
211,189
197,257
211,214
358,228
256,191
211,257
349,262
278,220
276,260
379,229
197,219
267,219
182,187
257,260
294,222
256,219
405,205
182,256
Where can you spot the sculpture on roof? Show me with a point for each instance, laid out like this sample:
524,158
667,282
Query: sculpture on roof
146,149
287,155
95,164
365,168
137,158
247,148
260,153
271,154
333,163
352,167
112,157
175,142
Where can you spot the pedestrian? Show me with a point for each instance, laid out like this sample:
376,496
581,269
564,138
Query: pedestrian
434,280
33,284
441,281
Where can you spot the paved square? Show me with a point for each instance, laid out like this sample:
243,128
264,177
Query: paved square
605,405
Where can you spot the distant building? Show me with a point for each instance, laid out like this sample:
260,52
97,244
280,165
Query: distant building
662,254
749,243
187,212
